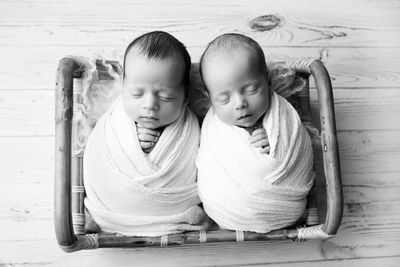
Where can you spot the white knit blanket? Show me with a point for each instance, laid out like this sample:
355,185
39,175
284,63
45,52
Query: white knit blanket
134,193
242,189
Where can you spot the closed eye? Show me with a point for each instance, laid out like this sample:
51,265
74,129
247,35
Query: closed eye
167,98
137,94
251,90
223,99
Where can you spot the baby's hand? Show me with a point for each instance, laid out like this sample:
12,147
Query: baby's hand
147,138
259,139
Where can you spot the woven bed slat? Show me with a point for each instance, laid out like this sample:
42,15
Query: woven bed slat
312,208
63,123
77,189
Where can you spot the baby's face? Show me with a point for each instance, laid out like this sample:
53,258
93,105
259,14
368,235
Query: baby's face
153,90
238,90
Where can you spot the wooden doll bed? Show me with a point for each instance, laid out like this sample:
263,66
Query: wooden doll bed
69,193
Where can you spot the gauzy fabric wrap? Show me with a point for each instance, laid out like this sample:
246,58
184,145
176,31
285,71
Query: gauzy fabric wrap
242,189
133,193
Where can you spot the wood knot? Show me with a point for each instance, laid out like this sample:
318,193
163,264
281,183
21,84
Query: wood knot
265,23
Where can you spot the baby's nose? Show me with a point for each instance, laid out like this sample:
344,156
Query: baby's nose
240,102
150,102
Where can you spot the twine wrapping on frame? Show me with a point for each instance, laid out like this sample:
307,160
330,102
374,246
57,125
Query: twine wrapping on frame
202,236
301,65
79,223
312,232
90,241
239,236
78,189
164,241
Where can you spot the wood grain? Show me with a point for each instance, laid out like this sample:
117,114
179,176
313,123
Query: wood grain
351,68
365,262
206,255
196,22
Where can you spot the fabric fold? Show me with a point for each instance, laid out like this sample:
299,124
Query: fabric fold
242,189
134,193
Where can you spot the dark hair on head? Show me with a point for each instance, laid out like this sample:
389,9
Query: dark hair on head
231,41
161,45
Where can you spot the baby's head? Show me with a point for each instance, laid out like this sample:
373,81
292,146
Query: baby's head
155,79
235,74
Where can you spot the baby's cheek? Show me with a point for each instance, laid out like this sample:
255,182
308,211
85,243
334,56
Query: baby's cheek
170,113
131,109
226,116
178,110
263,103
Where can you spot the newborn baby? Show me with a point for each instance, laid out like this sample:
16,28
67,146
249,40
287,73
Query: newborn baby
255,162
139,161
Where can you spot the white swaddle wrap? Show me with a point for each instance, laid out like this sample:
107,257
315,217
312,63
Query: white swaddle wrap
134,193
242,189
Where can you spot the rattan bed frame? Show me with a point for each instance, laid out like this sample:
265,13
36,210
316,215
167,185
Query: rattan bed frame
69,190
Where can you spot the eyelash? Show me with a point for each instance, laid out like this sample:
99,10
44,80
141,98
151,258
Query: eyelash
167,99
251,90
136,94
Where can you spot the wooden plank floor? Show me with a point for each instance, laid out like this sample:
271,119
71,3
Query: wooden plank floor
357,40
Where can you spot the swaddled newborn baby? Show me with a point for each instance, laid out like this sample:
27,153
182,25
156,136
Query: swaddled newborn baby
139,161
255,162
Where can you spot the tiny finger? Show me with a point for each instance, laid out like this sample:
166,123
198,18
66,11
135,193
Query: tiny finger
143,130
147,138
257,138
265,150
146,145
259,131
261,143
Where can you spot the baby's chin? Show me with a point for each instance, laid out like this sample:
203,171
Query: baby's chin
245,125
241,124
153,125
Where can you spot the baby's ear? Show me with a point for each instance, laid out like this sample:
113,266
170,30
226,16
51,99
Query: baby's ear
186,100
269,83
187,95
205,91
268,77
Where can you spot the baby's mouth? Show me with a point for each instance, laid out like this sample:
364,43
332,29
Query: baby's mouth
148,118
244,117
